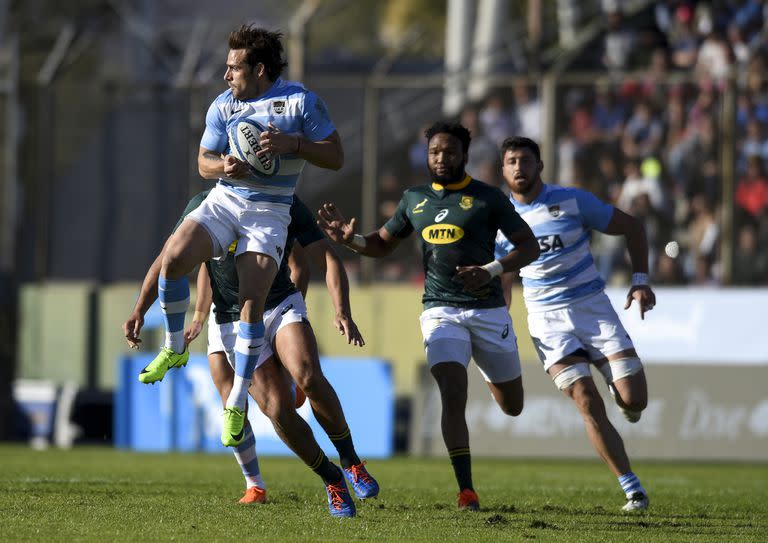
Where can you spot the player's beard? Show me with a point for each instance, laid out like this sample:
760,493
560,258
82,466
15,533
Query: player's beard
454,175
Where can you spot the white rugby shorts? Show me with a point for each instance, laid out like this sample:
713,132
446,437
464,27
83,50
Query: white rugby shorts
258,227
453,334
221,337
590,324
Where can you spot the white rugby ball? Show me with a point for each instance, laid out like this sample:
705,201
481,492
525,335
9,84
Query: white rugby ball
244,144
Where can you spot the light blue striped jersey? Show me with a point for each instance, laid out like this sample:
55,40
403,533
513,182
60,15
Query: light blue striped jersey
293,110
562,219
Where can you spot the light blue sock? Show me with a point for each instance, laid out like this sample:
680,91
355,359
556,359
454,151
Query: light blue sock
174,302
250,338
630,484
245,454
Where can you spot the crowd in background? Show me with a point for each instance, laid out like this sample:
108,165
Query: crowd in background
647,136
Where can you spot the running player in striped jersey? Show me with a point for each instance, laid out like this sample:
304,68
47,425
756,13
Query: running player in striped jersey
290,355
244,206
571,320
464,315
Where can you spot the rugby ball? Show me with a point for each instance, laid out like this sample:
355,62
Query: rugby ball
244,144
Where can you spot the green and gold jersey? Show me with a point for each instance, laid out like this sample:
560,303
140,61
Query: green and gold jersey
223,273
457,225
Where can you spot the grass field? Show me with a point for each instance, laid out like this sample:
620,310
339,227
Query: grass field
99,494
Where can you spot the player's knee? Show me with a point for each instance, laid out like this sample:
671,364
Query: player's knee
586,397
274,407
310,381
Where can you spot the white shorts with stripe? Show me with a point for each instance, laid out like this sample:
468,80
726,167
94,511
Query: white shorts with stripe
221,337
590,324
258,227
453,334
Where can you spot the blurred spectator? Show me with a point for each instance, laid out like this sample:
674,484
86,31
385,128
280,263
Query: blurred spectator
390,191
714,58
668,271
740,48
752,190
608,116
693,164
527,111
484,160
642,133
703,236
608,178
618,43
682,39
417,153
755,143
655,80
750,261
495,120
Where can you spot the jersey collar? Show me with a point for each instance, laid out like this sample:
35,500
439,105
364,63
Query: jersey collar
453,186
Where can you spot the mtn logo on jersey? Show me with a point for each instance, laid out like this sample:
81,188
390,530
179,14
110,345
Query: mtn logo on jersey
466,202
419,208
441,234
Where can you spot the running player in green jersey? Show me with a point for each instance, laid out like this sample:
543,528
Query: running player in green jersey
465,315
290,354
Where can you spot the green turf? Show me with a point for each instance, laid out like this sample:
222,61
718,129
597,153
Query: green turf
99,494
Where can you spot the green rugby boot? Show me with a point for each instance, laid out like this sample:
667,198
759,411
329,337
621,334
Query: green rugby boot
233,429
167,359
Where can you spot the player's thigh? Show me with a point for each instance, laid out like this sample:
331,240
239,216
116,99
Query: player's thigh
446,339
599,328
294,340
217,215
628,377
255,272
221,353
451,379
553,336
263,229
494,346
190,245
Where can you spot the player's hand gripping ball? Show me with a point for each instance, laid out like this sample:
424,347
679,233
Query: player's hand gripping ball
244,144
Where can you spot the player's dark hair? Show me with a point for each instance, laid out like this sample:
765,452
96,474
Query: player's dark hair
519,142
454,129
261,45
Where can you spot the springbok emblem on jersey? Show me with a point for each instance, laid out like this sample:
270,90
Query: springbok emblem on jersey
466,202
419,208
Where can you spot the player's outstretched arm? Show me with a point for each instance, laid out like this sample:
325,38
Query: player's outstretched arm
147,296
336,227
622,224
325,258
203,302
